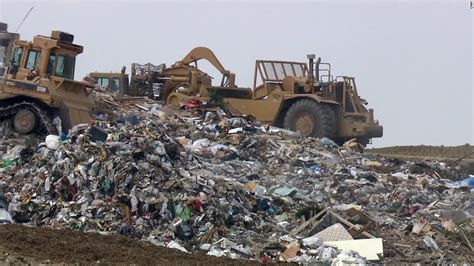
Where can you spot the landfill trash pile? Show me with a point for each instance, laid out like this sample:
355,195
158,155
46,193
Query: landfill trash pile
207,182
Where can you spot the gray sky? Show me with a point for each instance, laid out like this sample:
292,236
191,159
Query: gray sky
412,60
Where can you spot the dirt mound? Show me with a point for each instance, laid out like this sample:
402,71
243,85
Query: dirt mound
423,152
43,245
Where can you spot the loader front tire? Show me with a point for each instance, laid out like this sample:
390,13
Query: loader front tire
311,119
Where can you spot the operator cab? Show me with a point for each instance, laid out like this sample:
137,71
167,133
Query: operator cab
45,57
275,72
271,75
109,81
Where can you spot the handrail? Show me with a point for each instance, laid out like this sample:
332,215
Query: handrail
325,71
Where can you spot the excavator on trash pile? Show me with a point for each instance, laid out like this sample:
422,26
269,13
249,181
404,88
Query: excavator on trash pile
293,95
37,82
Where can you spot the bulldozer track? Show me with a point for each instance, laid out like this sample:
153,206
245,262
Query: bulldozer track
45,120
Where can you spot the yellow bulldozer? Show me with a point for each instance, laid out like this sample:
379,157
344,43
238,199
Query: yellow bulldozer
37,82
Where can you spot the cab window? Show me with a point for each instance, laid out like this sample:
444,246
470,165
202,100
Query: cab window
33,59
51,62
3,54
17,56
115,84
103,82
17,53
65,66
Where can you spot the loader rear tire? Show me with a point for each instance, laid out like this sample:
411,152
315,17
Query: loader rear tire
25,121
311,119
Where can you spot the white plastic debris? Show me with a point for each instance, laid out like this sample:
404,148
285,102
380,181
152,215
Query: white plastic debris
5,217
13,153
57,123
349,258
327,253
160,149
236,130
47,184
175,245
199,144
52,142
216,252
312,242
429,242
205,246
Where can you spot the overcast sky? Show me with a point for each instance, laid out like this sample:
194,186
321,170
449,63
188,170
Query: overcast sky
412,60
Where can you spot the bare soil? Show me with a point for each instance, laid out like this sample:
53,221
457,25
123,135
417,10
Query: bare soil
422,152
29,245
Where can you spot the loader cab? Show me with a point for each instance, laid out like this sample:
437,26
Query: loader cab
270,75
268,72
113,84
112,81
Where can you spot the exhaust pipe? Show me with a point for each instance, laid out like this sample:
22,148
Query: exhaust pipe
311,58
313,73
317,68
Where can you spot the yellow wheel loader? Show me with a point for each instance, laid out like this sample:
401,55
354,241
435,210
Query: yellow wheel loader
37,82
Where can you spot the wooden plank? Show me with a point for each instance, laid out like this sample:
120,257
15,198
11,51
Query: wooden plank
305,224
349,224
142,107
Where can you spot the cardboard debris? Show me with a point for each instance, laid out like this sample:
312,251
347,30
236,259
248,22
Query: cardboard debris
419,227
290,252
353,145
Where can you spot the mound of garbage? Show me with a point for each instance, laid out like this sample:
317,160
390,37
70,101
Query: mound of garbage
203,181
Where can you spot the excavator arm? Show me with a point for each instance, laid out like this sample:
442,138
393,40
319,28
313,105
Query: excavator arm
204,53
199,53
